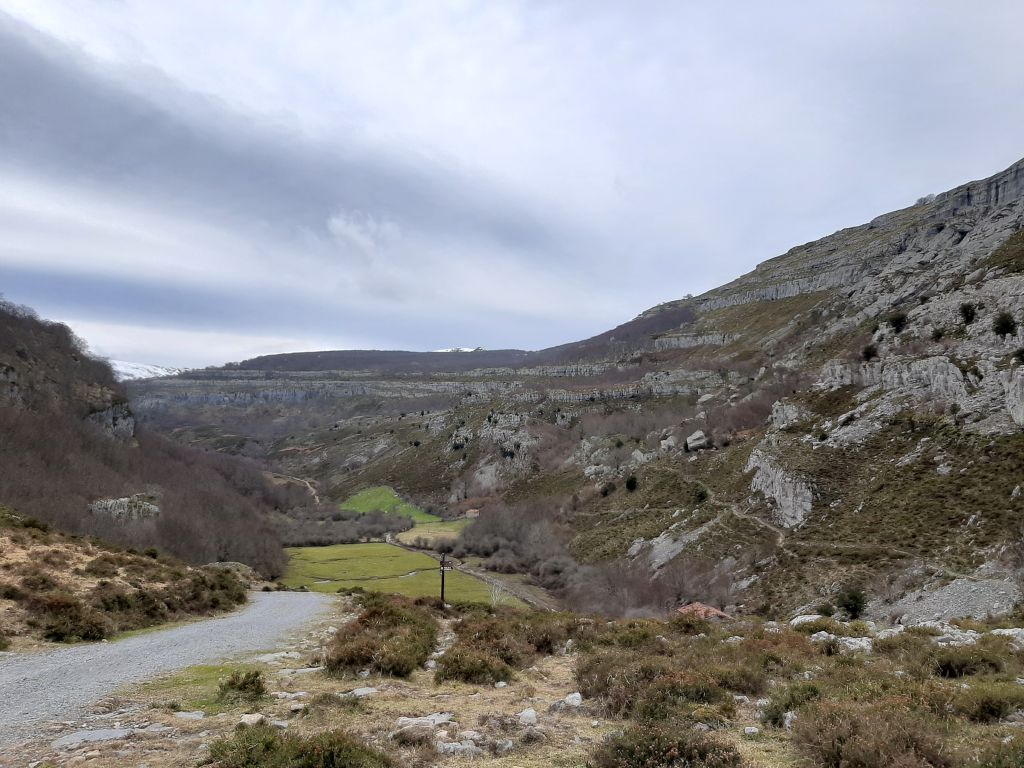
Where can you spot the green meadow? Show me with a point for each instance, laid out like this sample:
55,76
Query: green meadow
378,567
433,532
384,499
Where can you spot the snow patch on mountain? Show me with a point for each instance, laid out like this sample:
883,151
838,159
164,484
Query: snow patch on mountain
125,371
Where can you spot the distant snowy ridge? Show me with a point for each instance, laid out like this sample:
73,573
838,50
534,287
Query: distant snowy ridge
130,371
461,349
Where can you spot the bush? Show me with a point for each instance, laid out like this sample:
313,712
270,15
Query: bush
788,699
1004,325
988,702
392,636
64,618
966,660
870,352
1002,755
856,735
11,592
5,643
968,312
471,665
264,746
897,321
664,748
853,601
242,686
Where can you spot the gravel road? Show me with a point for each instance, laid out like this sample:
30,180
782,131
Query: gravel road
56,685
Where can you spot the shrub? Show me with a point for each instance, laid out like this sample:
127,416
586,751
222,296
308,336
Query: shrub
741,679
856,735
870,352
264,746
391,636
664,748
968,312
788,699
472,666
631,483
853,601
825,609
490,645
5,643
966,660
1019,355
11,592
670,693
1004,325
1003,755
988,702
897,321
242,686
38,581
64,618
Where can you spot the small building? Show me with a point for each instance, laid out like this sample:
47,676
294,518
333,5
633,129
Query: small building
701,611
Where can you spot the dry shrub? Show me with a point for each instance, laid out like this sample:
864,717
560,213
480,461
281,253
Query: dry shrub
242,686
664,748
471,665
966,660
64,618
986,702
877,735
789,699
264,746
490,646
392,636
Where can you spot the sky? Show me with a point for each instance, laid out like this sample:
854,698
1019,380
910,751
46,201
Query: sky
192,183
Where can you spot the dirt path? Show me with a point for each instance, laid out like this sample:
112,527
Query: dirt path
56,685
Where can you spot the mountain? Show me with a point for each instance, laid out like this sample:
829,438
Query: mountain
849,412
125,371
72,456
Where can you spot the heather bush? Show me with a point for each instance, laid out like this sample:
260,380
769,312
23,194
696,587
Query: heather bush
472,665
961,661
789,699
263,746
1008,754
241,685
985,702
664,748
861,735
392,636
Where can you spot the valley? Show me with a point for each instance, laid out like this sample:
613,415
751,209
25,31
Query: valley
772,513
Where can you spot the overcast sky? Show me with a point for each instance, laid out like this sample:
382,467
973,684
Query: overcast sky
188,182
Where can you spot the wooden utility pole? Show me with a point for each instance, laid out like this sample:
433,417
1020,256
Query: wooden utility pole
445,566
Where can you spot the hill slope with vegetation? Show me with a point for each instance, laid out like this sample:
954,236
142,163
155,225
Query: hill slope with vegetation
847,414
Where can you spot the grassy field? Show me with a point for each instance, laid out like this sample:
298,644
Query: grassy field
384,499
377,567
433,532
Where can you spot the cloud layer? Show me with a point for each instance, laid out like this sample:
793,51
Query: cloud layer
192,183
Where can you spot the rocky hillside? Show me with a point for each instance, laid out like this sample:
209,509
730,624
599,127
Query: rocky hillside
71,456
848,413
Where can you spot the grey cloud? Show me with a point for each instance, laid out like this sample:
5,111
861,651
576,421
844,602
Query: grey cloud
66,117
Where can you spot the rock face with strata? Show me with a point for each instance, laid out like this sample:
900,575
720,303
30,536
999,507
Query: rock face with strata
793,496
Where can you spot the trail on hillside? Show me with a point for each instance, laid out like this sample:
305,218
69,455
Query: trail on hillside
56,685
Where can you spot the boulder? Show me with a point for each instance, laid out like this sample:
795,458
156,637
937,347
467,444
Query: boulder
253,718
574,699
697,441
432,721
528,717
